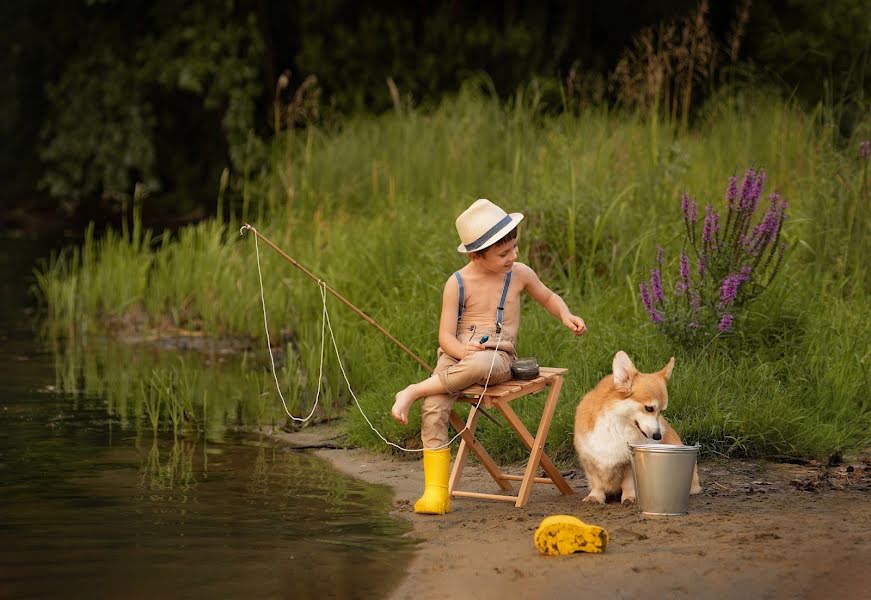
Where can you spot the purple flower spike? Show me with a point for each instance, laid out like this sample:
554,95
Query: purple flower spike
688,207
654,314
768,227
753,201
656,286
865,149
729,288
732,192
731,252
712,225
645,296
685,269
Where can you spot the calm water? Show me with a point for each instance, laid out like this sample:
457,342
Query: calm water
94,505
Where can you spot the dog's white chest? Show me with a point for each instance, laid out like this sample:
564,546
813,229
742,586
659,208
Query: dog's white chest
608,442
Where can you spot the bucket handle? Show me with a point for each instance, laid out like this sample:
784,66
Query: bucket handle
633,447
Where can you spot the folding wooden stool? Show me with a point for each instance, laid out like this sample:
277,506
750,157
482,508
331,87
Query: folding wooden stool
499,396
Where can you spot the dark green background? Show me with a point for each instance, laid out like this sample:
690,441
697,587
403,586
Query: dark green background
100,94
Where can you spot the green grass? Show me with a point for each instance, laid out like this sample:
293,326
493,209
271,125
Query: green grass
370,208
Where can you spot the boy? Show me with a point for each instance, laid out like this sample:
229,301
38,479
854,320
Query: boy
479,324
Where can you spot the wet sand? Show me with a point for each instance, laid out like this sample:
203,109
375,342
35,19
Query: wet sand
758,530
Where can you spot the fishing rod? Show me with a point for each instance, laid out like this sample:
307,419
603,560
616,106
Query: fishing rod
344,300
347,303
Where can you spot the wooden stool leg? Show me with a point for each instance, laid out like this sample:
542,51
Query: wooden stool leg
538,445
469,442
552,472
462,451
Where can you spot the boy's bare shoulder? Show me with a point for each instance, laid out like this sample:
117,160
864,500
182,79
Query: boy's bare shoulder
451,283
523,272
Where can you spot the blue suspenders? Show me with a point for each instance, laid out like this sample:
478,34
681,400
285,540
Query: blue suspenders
462,300
502,302
499,310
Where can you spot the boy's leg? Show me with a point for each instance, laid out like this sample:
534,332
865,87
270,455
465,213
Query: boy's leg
450,377
435,411
453,376
435,414
404,399
480,368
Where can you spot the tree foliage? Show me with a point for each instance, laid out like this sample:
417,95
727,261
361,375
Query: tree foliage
100,135
816,47
168,94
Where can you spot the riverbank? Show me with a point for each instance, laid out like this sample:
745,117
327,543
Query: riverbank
758,530
602,192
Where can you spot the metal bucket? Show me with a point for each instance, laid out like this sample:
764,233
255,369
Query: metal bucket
663,474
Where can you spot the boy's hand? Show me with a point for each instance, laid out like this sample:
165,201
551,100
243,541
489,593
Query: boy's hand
576,324
471,347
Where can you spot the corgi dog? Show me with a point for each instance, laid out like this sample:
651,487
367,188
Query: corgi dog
624,408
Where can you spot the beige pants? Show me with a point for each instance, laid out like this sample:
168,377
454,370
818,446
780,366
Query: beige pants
457,375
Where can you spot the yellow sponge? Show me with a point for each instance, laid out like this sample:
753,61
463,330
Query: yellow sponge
564,534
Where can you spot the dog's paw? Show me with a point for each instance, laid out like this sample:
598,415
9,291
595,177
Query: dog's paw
696,489
627,500
596,497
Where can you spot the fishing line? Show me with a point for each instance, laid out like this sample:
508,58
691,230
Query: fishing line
327,325
269,344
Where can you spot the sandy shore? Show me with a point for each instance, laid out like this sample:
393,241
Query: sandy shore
758,530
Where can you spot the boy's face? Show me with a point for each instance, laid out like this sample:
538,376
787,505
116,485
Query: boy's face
498,258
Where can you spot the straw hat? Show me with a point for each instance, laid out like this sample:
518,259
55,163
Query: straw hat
483,224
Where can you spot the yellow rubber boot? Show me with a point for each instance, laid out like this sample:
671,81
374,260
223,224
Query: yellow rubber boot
435,499
565,534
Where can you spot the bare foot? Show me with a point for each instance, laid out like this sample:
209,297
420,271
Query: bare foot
404,400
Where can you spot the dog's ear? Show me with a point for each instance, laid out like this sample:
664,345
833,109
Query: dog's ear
666,370
624,370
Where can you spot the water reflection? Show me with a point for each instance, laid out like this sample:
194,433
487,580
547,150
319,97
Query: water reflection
124,477
163,390
181,389
173,470
179,517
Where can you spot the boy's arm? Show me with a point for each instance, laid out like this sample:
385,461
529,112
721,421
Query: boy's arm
552,302
448,323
